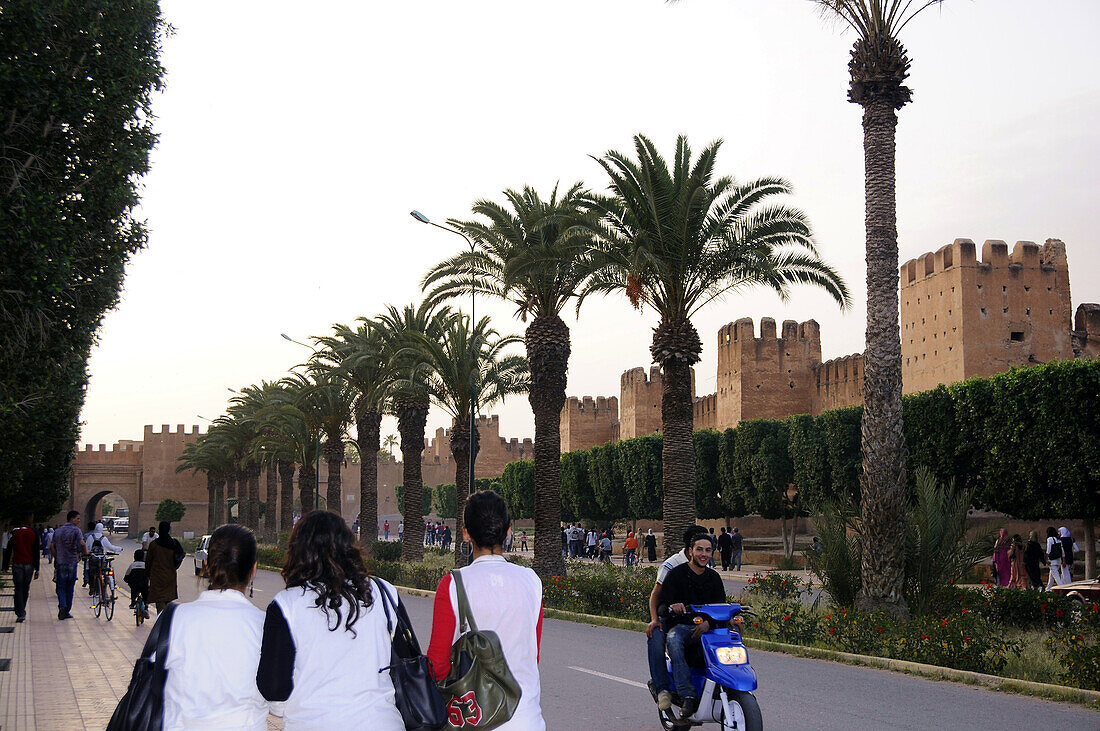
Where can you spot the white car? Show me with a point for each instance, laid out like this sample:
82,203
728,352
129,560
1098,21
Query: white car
200,556
120,525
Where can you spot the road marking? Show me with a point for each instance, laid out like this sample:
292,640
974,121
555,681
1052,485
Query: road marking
616,678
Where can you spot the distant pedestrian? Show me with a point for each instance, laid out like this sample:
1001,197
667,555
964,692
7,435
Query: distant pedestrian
25,559
737,545
68,548
523,541
1068,549
592,541
446,538
1001,566
1033,557
605,549
1017,579
817,545
1054,557
725,548
630,549
713,543
401,531
650,543
386,530
162,558
148,537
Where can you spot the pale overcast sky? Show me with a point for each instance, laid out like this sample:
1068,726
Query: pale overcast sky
295,138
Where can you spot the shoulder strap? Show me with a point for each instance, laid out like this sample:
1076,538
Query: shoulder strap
465,616
385,604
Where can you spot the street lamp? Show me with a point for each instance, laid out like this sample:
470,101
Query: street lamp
473,323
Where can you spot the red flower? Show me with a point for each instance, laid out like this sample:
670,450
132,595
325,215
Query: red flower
832,630
843,611
925,637
1096,607
620,599
786,617
984,581
966,639
1058,612
755,624
880,629
964,610
943,623
1042,607
828,616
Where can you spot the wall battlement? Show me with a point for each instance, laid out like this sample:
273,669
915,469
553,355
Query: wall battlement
837,383
1050,257
116,447
166,430
705,411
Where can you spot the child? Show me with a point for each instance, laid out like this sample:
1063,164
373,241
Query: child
136,579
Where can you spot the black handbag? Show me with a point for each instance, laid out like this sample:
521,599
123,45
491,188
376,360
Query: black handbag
142,708
417,695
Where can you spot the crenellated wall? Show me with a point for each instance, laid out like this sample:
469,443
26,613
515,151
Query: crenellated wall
588,421
640,402
705,412
1086,331
837,383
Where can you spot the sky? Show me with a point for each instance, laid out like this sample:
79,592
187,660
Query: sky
296,137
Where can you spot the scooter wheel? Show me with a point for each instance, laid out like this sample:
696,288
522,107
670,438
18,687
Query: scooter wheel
745,706
665,717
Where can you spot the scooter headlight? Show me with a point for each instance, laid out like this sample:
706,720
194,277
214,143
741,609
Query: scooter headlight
731,655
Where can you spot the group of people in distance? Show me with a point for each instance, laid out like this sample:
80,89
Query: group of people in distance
308,657
1019,565
437,534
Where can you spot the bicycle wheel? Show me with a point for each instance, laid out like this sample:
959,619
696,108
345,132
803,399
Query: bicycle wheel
98,598
109,600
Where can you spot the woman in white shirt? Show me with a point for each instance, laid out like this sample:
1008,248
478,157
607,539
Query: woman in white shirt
214,645
325,639
503,597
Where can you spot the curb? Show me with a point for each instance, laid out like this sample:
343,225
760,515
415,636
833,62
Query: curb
1089,698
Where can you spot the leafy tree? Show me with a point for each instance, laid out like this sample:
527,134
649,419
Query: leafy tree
640,464
676,237
76,99
108,508
577,497
878,67
517,485
606,478
205,455
843,457
532,253
807,450
765,473
445,501
733,500
170,510
708,500
249,406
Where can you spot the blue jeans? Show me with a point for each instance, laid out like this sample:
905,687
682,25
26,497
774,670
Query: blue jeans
677,638
658,671
735,558
21,576
66,580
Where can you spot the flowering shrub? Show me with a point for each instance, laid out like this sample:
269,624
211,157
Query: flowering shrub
602,590
1079,656
851,631
777,585
964,641
1020,608
788,622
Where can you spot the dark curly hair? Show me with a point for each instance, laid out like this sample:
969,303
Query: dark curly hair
230,557
486,518
322,557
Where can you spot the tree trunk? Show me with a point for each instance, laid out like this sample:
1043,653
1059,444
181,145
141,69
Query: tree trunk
882,481
412,415
219,501
270,533
242,497
368,426
307,484
334,457
460,448
547,341
1090,548
677,453
286,496
211,502
253,523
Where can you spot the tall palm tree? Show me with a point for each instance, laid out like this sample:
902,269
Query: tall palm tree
249,405
402,331
205,455
332,400
389,443
466,368
532,253
879,66
359,357
674,239
236,436
297,428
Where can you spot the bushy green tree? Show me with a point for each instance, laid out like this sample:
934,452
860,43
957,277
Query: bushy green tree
606,477
170,510
708,500
640,462
578,500
517,486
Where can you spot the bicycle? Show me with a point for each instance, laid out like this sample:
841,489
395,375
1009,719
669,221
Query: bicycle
141,612
103,587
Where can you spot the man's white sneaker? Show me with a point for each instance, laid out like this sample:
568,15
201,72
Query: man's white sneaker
664,700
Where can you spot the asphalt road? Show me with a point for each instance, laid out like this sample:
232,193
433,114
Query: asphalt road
594,678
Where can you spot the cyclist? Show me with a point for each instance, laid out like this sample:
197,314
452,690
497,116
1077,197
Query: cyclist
98,545
137,580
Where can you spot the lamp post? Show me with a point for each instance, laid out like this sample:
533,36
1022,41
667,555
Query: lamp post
473,353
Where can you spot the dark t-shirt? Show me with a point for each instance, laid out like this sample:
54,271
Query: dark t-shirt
738,540
684,586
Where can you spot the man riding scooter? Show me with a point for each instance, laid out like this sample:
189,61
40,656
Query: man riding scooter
691,582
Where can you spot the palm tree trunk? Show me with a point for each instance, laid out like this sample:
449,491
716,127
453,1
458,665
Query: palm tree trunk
461,449
547,341
307,485
270,534
368,426
334,457
286,496
211,503
677,453
882,482
219,501
242,497
412,415
253,523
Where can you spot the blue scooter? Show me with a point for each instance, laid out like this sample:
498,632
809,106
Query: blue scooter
721,673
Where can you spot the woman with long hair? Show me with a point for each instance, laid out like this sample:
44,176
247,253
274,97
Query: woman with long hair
325,639
503,597
214,644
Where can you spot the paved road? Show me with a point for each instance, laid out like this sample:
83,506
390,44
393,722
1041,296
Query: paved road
594,678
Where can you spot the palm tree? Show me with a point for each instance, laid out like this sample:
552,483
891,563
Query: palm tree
533,254
402,331
879,66
332,400
236,435
204,455
249,405
467,370
389,443
359,357
675,238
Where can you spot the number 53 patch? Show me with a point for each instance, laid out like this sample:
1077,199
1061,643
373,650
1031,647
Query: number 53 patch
463,710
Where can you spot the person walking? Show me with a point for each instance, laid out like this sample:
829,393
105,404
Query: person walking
26,557
605,549
713,545
737,544
503,597
1016,562
67,548
630,549
445,538
1068,549
386,530
1033,557
326,645
1054,558
725,548
162,558
592,541
1002,567
650,542
148,537
214,644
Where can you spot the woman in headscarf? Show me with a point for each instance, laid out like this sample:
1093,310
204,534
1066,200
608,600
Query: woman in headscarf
162,558
650,541
1034,556
1068,549
1016,560
1001,563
